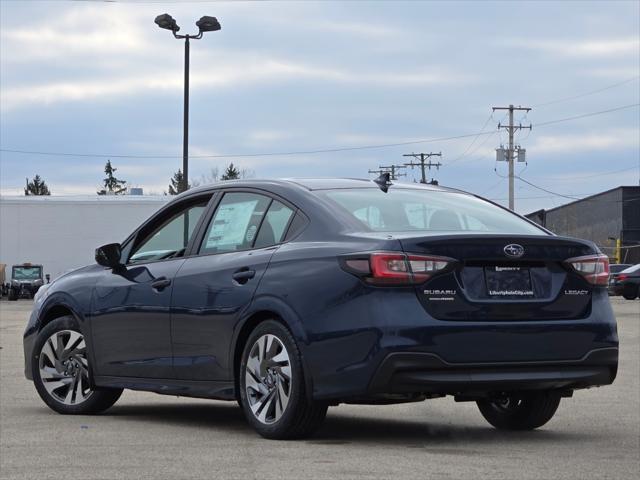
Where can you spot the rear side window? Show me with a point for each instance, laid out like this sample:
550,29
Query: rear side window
274,225
235,223
401,210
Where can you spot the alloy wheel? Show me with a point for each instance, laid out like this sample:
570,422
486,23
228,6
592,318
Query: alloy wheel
64,368
268,379
507,404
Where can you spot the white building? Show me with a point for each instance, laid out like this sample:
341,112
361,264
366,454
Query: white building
62,233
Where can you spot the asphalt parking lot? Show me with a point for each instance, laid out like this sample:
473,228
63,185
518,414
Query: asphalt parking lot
595,434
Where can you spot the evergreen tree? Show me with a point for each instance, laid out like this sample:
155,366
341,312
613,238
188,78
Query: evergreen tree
176,184
36,187
111,183
231,173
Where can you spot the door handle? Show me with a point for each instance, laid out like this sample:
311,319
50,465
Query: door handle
160,283
243,275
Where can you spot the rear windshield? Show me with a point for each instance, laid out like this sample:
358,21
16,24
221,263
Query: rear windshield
632,269
401,210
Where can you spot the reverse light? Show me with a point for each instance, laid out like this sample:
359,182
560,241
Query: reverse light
390,268
593,268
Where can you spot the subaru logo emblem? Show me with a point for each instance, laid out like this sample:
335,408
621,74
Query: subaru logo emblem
514,250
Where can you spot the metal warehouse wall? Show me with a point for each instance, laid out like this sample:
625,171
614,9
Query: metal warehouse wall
595,219
62,233
615,213
631,223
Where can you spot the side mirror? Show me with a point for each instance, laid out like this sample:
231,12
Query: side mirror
109,255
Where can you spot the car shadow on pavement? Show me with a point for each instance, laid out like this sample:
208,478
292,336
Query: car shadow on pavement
343,429
339,428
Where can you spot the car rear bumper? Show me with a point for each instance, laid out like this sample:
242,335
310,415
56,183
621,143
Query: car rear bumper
427,373
399,349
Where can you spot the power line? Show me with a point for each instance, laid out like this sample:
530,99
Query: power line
585,115
548,191
592,92
572,197
306,152
473,141
606,173
240,155
492,186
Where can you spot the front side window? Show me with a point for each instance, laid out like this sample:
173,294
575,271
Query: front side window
236,222
171,237
401,210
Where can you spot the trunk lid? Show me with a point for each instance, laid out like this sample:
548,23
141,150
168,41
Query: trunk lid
504,277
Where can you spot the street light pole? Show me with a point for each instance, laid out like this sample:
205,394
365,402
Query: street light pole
185,122
205,24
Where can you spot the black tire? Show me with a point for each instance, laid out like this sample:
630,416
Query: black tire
300,417
98,399
631,295
13,295
520,411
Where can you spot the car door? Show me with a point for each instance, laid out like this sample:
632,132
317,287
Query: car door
131,305
212,289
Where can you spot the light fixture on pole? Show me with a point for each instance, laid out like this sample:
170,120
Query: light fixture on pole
205,24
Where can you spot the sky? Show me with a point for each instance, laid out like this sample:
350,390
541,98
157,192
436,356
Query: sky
100,78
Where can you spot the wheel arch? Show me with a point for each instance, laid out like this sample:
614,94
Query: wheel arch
269,310
54,311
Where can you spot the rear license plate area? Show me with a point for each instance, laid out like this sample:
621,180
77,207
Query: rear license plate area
509,282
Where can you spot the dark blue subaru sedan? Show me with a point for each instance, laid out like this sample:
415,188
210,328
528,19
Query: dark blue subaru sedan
290,296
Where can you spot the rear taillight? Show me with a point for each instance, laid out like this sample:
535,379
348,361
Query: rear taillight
390,268
593,268
622,277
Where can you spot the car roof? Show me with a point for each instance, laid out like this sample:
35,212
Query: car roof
316,183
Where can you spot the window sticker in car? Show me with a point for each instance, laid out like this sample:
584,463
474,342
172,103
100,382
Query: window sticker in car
230,224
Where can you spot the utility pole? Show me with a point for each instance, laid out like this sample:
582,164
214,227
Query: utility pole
511,128
423,157
392,170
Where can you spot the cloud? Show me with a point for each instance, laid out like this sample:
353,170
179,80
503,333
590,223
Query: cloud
82,31
585,142
627,71
368,30
264,137
602,47
226,72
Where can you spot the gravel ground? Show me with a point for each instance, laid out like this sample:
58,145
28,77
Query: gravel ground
595,434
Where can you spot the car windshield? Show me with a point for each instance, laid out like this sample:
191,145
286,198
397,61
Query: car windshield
26,273
427,210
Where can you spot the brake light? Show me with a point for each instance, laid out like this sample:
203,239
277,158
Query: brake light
390,268
593,268
622,277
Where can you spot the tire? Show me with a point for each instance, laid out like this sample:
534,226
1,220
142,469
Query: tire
520,411
275,389
13,295
62,374
630,295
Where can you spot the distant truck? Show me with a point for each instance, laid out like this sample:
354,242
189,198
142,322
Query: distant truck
26,280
